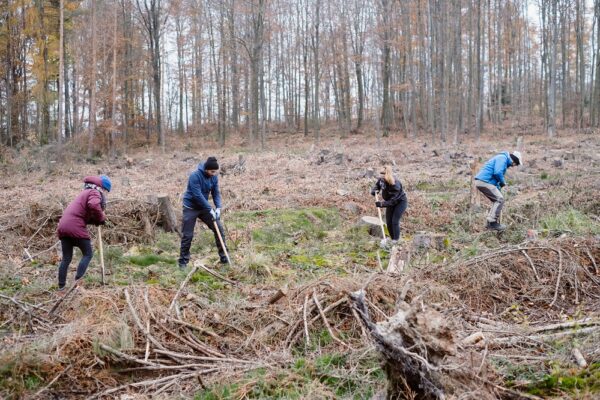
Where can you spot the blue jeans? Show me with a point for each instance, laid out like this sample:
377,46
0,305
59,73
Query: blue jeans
67,244
187,232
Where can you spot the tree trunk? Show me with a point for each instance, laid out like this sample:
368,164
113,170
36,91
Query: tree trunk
552,77
92,108
386,107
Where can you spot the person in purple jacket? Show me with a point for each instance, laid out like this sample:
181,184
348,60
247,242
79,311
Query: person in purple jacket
87,208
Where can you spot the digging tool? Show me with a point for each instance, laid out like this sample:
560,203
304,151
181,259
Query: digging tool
101,252
380,218
221,240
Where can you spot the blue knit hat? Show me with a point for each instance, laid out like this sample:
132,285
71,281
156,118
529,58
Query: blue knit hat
106,184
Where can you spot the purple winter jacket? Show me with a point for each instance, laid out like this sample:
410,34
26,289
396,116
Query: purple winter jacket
85,209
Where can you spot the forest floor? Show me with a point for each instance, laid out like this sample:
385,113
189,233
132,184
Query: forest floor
292,221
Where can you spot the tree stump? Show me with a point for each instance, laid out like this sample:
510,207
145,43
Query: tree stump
168,217
427,240
374,225
413,344
399,259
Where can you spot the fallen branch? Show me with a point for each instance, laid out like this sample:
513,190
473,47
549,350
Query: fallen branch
307,336
59,302
557,279
217,275
126,356
185,281
519,340
326,322
53,381
537,278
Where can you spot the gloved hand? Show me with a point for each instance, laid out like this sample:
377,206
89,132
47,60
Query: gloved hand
502,184
102,223
218,213
213,213
379,204
373,191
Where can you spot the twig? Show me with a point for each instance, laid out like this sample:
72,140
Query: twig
185,281
126,356
566,325
512,340
557,279
307,336
217,275
59,302
57,377
326,322
192,326
202,358
589,254
537,278
147,340
139,324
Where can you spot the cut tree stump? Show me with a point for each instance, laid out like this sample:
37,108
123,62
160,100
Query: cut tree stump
413,344
428,240
169,219
399,259
374,225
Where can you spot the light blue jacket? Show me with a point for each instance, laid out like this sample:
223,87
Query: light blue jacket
493,171
199,187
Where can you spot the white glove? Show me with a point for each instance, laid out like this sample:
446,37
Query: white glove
213,213
218,213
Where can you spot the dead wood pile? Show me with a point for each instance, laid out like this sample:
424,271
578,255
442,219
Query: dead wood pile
148,340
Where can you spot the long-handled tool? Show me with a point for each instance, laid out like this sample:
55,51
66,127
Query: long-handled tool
101,252
380,218
221,240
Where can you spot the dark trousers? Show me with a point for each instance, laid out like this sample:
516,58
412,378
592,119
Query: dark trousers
67,244
393,216
187,232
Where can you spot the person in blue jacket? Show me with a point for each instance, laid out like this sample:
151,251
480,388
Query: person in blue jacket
201,184
490,180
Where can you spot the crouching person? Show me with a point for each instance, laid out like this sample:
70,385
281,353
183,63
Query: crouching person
490,180
201,184
87,209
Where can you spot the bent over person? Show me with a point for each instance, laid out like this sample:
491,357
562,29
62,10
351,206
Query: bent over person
201,184
394,201
490,180
87,209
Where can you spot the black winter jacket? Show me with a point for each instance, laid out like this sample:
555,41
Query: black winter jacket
392,194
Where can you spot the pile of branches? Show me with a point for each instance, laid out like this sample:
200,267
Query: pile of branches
544,279
31,232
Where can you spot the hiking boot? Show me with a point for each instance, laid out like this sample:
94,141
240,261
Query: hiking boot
495,226
60,292
183,267
224,260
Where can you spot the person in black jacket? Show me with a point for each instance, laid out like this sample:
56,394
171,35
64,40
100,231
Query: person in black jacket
394,200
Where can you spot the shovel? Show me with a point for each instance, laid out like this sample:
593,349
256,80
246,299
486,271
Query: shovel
221,240
380,219
101,252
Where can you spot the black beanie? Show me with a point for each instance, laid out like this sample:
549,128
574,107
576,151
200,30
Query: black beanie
211,164
515,159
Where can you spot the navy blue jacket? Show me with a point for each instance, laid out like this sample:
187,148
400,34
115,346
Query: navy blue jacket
199,187
392,194
493,171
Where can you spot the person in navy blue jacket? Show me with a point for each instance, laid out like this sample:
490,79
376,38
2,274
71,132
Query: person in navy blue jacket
490,180
201,184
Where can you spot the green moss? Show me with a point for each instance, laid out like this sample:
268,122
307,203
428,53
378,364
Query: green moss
145,260
560,381
570,220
